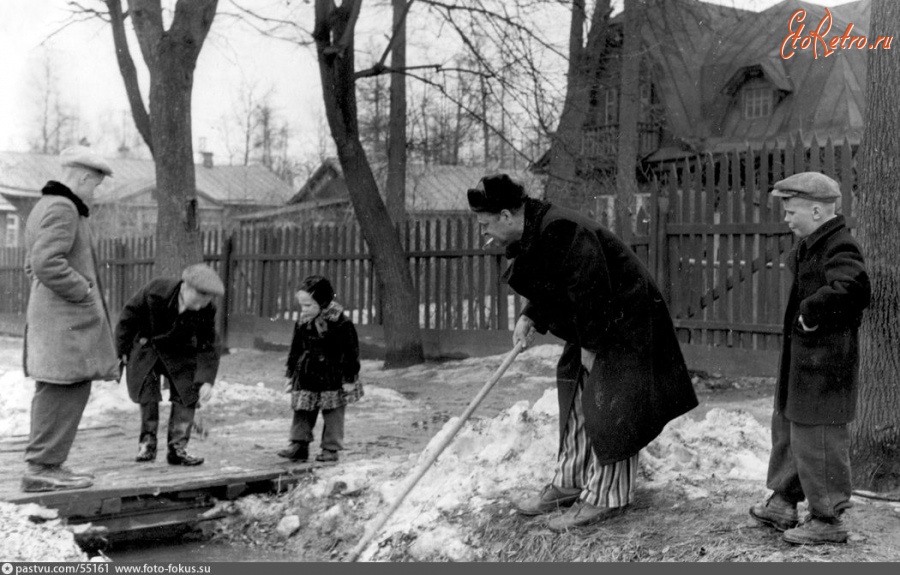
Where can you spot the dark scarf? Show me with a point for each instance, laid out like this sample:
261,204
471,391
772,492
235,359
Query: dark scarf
54,188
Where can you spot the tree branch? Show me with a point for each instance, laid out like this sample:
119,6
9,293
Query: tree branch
129,72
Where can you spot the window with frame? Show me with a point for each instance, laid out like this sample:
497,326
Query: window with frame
12,231
757,102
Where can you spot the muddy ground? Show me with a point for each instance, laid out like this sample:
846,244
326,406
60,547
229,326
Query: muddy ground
663,525
405,408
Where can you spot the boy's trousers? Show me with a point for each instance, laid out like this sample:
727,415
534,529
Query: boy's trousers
811,462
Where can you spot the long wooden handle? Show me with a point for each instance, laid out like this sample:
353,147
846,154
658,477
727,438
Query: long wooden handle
415,477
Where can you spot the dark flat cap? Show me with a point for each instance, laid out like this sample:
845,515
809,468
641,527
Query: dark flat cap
86,158
204,279
496,193
808,185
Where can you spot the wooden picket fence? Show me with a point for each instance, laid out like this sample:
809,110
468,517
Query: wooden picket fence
710,234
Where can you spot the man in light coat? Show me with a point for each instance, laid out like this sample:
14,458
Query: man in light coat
68,336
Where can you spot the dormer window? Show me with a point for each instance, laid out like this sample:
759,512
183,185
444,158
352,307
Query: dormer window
758,101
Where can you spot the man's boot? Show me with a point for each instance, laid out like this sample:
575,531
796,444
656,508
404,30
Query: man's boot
179,456
39,477
296,451
146,452
180,422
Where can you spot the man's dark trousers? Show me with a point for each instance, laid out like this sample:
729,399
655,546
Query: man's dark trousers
55,414
181,417
811,462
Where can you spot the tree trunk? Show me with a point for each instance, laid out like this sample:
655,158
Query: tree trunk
396,177
333,34
629,109
171,56
875,452
585,63
177,223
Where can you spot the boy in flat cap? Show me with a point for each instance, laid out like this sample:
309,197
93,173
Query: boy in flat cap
168,329
815,397
68,336
621,376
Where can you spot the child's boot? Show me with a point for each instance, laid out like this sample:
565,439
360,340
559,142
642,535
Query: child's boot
296,451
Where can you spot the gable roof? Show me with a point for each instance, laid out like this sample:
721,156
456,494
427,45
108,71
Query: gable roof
676,34
824,94
429,187
24,174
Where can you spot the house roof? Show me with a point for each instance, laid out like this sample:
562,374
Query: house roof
676,35
429,187
824,94
24,174
700,55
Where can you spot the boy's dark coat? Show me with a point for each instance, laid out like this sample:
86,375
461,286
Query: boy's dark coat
817,382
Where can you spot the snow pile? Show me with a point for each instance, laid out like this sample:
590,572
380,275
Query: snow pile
507,457
724,445
108,397
24,539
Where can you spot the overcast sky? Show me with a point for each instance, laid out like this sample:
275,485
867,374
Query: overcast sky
84,60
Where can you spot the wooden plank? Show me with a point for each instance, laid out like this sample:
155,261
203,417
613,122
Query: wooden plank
459,270
710,251
472,292
426,261
736,326
847,206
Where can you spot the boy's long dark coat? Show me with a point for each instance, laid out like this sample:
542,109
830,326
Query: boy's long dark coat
589,289
817,383
150,329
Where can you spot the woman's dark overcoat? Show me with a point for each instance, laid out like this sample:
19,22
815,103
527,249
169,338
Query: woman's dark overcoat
150,329
817,383
586,287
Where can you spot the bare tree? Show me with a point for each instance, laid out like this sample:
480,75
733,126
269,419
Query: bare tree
170,54
587,53
396,175
875,451
334,36
56,122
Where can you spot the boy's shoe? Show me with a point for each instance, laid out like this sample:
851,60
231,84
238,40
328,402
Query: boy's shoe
776,512
39,477
146,452
181,457
549,500
814,531
296,451
582,514
327,455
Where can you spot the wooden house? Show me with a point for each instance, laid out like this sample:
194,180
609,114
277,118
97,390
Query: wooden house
124,204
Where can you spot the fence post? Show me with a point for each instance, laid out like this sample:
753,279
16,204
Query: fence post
661,246
227,271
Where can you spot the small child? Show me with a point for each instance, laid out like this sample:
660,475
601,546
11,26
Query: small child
322,370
